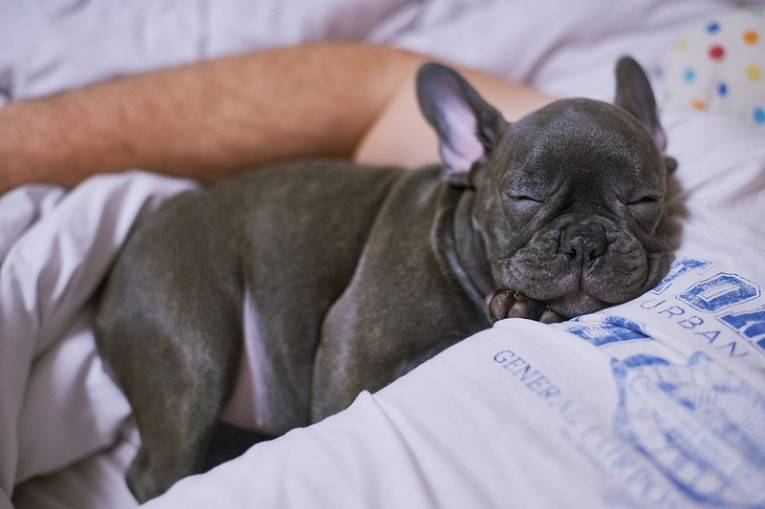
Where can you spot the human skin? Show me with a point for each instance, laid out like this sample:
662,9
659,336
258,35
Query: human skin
212,119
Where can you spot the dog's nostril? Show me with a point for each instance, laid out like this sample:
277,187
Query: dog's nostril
584,245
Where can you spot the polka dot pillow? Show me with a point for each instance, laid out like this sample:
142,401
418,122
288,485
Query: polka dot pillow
720,67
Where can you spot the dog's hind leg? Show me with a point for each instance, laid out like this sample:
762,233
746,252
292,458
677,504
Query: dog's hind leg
177,373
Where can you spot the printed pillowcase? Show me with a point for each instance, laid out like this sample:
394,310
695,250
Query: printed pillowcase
719,67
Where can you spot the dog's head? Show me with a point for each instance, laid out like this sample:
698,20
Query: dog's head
569,200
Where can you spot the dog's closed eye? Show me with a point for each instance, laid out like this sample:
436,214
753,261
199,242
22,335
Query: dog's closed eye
524,203
646,209
525,198
642,200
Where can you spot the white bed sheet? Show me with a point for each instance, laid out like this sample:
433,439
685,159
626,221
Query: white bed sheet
462,431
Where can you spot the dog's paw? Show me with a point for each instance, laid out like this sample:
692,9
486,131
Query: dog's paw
506,303
501,304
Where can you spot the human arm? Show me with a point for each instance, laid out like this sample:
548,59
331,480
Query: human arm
210,119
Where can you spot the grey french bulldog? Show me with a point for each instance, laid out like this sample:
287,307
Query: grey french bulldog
343,278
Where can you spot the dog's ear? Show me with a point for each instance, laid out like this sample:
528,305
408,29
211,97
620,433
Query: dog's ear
467,126
634,94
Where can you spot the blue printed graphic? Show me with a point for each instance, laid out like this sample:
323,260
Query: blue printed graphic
677,269
699,424
749,324
610,329
719,292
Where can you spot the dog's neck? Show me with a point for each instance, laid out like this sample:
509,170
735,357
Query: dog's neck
459,249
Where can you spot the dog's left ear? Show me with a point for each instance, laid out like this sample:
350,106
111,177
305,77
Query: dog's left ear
634,94
467,126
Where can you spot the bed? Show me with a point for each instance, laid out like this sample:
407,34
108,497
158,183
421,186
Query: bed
659,402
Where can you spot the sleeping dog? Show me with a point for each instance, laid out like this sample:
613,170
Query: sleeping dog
342,278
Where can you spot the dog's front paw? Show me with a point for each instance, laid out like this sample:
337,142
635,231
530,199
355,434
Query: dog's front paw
501,304
506,303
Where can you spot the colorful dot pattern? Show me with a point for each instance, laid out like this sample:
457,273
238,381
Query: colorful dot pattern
719,66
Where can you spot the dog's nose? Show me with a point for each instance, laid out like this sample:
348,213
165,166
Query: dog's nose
584,243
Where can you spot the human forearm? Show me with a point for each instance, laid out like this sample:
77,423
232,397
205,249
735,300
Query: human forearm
205,120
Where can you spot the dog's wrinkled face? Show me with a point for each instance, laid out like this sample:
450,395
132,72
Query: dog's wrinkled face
572,209
570,200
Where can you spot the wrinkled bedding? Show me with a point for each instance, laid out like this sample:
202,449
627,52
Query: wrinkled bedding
659,402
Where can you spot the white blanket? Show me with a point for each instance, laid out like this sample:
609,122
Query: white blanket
658,402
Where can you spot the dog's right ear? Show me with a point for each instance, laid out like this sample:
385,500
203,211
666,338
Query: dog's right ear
467,126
